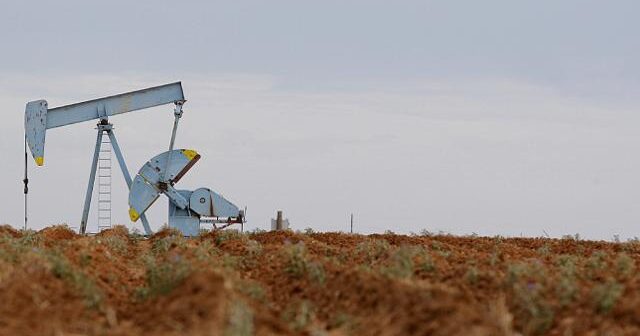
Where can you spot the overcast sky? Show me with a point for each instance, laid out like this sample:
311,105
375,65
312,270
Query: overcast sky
490,117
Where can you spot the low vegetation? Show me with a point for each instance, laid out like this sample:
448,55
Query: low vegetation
120,283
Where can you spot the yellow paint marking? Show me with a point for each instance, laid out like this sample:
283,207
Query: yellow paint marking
189,153
133,214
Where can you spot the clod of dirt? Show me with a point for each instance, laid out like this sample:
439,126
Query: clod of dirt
116,231
7,230
57,233
165,232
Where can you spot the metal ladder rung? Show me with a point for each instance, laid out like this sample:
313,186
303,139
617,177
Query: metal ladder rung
104,184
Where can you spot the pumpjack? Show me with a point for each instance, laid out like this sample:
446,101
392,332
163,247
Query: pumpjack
188,209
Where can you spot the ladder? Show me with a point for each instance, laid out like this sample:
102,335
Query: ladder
104,185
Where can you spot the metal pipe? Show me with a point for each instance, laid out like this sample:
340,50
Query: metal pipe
26,183
177,114
92,178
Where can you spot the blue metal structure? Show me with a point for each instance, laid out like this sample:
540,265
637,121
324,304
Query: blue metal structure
39,118
187,209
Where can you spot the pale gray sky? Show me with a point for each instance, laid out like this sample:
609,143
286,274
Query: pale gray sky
495,117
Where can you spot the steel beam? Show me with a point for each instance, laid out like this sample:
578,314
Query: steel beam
112,105
127,176
92,179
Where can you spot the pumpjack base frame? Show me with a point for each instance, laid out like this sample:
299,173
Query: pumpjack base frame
190,223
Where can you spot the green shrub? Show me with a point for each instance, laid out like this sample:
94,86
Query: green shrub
544,250
224,235
606,295
596,263
163,277
296,260
373,249
566,288
316,273
163,245
253,248
299,315
298,265
62,268
251,289
401,264
206,252
625,266
426,263
472,275
115,243
440,249
240,321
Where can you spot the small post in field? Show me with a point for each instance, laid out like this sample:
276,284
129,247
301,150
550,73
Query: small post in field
279,221
352,223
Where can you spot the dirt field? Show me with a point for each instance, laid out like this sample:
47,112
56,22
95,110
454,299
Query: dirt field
54,282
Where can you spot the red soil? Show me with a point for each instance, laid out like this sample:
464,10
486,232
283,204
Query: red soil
277,283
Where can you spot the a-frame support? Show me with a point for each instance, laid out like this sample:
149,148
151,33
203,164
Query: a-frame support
105,127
